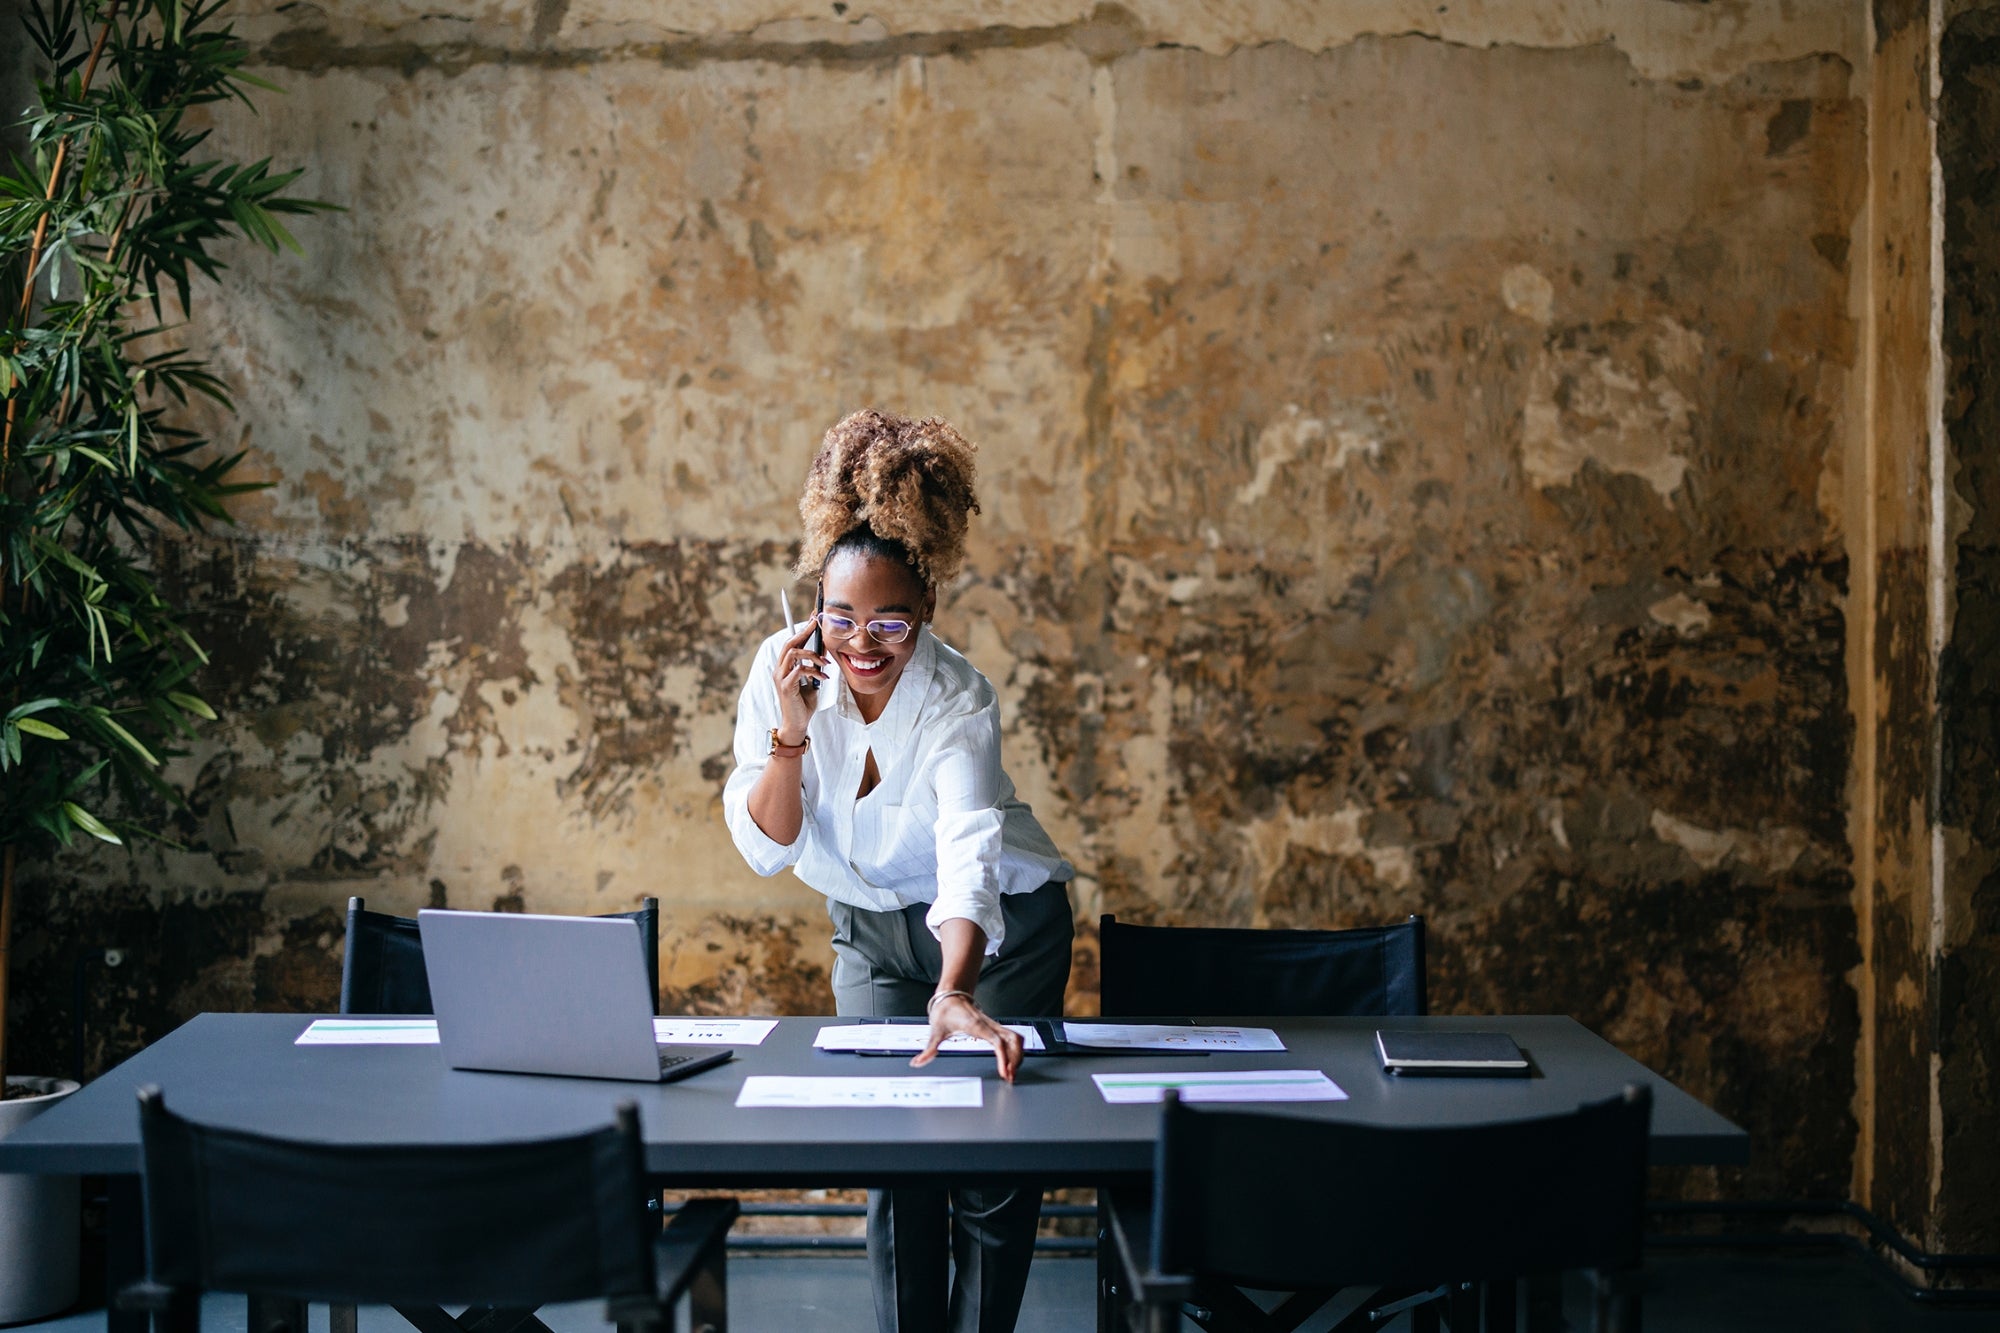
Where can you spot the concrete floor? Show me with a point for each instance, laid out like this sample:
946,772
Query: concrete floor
1684,1294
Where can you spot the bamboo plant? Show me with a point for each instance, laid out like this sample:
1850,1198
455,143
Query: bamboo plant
106,218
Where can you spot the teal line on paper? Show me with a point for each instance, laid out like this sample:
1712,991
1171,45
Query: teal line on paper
1256,1077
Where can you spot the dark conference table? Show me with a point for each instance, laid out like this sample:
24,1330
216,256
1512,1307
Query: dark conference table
1052,1126
242,1070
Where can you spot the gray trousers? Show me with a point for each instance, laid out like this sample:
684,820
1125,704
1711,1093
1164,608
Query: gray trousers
885,965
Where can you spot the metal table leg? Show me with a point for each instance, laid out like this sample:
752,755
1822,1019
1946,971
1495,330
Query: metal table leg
124,1252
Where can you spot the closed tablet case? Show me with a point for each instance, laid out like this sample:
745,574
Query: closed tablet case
1461,1053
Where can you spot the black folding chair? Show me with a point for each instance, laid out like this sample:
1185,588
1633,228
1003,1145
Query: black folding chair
382,972
510,1225
1306,1207
1220,972
1153,971
383,969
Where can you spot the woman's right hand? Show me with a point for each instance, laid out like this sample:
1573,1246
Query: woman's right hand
957,1013
795,667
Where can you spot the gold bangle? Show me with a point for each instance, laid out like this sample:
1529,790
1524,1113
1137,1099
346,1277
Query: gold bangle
931,1004
783,751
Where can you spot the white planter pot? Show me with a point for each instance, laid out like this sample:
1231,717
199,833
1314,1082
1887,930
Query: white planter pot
39,1226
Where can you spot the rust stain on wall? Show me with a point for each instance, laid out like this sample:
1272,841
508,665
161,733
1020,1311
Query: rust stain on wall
647,639
732,964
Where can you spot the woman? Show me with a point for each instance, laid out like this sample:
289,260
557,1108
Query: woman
872,769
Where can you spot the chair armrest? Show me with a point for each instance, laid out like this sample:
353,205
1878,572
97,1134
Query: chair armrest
1129,1213
696,1235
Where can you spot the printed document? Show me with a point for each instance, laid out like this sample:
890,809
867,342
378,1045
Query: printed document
369,1032
424,1031
783,1090
713,1031
1230,1085
1170,1037
911,1037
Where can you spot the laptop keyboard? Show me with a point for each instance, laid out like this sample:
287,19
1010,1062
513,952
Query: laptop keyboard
681,1061
675,1059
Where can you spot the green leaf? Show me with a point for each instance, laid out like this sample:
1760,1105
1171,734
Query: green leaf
276,229
131,741
99,631
90,823
53,822
34,726
201,654
189,703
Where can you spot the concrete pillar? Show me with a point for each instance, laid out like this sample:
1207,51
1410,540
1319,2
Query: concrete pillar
1929,897
1966,964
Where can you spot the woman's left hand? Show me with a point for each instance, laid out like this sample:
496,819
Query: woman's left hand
957,1013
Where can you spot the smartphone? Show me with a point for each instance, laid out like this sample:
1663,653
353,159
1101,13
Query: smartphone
809,684
816,645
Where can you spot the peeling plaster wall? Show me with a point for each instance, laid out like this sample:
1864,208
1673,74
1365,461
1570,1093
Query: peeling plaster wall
1413,458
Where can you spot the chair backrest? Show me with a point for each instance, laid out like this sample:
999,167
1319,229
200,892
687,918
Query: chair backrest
508,1224
383,969
1155,971
1281,1202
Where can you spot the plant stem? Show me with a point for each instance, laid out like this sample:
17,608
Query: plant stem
56,168
42,226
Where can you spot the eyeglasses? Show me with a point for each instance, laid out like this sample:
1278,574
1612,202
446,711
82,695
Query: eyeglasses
882,631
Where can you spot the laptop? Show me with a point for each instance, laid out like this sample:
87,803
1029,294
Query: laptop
548,995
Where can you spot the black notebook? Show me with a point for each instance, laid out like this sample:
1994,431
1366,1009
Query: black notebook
1461,1053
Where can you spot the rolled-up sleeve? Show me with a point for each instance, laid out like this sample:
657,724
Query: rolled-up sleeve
970,826
756,714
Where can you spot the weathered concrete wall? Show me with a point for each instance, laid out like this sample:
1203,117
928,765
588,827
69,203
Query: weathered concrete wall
1924,535
1967,1214
1894,538
1414,452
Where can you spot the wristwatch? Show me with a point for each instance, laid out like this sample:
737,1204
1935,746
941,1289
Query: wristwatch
781,751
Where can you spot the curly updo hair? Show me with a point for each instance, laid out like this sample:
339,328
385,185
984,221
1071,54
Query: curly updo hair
885,485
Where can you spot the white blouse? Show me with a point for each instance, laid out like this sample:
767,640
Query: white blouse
943,825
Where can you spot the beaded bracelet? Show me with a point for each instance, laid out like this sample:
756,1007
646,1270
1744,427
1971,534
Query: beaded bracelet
931,1004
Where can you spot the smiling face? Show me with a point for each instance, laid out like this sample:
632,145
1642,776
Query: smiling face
864,588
